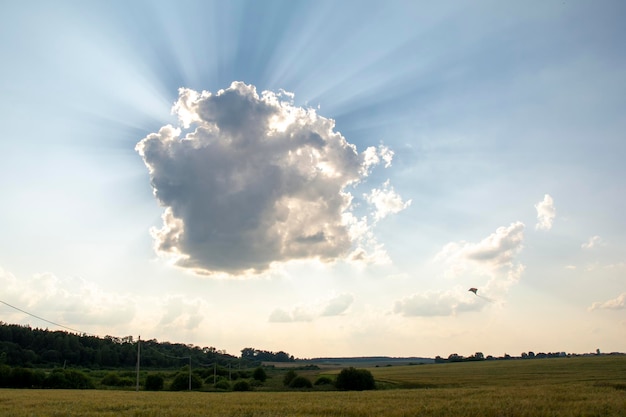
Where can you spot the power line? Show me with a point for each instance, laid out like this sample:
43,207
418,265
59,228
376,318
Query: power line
47,321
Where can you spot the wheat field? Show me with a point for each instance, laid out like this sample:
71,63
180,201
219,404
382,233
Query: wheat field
559,387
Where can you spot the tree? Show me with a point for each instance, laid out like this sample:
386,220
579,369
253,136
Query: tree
300,382
289,376
259,374
181,382
154,382
242,386
352,379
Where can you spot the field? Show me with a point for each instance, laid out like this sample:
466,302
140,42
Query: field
589,386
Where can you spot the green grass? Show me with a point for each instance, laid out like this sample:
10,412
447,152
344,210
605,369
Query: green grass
589,387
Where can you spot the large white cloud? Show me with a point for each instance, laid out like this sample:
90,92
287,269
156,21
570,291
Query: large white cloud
546,212
256,180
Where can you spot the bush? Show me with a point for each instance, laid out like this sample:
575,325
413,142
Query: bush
259,374
154,382
112,379
351,379
181,382
323,380
68,379
78,380
242,385
300,382
222,385
25,378
5,374
289,376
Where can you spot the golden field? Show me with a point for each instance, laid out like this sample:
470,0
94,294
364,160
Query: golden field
591,386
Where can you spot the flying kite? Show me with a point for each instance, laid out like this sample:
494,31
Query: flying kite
474,290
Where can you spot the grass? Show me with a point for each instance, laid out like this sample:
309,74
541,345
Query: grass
549,387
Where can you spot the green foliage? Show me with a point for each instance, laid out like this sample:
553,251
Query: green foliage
23,346
223,385
352,379
68,379
259,374
25,378
242,385
181,382
113,379
323,380
289,376
154,382
300,382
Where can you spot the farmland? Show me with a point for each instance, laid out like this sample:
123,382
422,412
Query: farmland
585,386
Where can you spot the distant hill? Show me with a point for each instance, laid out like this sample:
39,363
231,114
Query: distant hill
370,361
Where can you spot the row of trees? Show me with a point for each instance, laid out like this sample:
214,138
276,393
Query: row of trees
23,346
478,356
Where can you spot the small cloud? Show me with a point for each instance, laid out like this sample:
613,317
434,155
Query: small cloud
618,303
593,242
436,303
570,267
546,213
386,201
338,305
280,316
256,181
334,306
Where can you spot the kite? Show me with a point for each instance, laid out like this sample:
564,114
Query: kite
474,290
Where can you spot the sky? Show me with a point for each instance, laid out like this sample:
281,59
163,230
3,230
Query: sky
318,177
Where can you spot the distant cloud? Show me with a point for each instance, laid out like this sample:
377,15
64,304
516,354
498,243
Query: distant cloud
71,302
491,254
593,242
334,306
338,305
545,213
618,303
437,303
257,180
493,257
80,305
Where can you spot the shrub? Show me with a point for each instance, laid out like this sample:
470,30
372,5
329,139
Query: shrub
5,374
300,382
351,379
154,382
289,376
242,385
181,382
222,385
25,378
112,379
68,379
259,374
323,380
78,380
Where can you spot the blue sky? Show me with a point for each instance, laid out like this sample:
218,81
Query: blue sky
324,178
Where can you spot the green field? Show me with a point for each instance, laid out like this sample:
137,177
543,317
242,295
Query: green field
589,386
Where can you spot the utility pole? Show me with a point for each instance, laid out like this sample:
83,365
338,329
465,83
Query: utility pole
138,359
189,373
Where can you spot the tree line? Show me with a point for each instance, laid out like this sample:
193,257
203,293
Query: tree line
23,346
